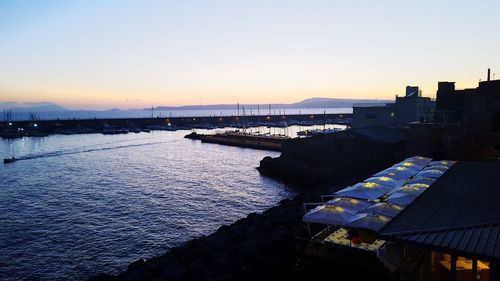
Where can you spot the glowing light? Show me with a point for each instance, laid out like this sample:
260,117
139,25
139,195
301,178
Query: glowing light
370,184
397,207
408,164
420,185
383,218
385,178
10,124
35,125
401,168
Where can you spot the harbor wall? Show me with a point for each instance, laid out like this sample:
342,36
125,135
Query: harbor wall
52,126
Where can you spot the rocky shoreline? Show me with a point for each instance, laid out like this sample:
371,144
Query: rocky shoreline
258,247
263,246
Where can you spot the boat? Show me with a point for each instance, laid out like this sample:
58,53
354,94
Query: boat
9,160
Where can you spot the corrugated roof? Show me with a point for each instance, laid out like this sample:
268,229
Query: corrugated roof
458,213
479,240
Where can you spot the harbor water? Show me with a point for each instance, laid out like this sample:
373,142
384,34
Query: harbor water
76,205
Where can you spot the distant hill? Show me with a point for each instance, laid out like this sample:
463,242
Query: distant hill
32,106
49,110
307,103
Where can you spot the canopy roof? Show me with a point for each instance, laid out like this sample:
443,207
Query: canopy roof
385,209
355,205
393,188
387,181
430,174
361,193
401,198
446,163
422,180
414,189
399,173
327,214
422,161
368,221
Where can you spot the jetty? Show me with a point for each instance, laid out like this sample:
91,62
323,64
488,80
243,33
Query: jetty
242,139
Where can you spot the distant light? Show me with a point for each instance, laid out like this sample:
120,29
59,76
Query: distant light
35,125
10,124
169,124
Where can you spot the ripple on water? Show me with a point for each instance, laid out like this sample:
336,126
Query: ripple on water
86,204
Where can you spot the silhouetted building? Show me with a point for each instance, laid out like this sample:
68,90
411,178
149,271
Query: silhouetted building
410,108
477,108
466,123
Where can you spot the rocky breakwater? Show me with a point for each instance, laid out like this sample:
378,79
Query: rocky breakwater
254,248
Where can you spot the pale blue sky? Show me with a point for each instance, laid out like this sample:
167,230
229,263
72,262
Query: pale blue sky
100,54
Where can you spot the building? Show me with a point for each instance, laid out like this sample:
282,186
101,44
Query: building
476,108
466,124
378,114
452,230
416,220
409,108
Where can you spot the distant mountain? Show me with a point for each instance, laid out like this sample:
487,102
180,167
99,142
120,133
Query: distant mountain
32,107
49,110
308,103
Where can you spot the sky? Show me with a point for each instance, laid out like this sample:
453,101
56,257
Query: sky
97,54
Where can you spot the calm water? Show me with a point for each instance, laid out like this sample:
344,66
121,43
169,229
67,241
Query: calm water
84,204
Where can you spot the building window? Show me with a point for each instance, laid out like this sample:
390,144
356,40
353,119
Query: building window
371,116
393,115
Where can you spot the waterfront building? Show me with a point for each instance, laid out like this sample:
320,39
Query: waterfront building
444,228
409,108
452,231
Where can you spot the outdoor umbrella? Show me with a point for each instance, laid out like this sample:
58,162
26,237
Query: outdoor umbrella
401,198
420,180
327,214
415,189
430,174
368,221
409,165
387,181
422,161
361,192
443,162
372,185
441,168
399,173
352,204
385,209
